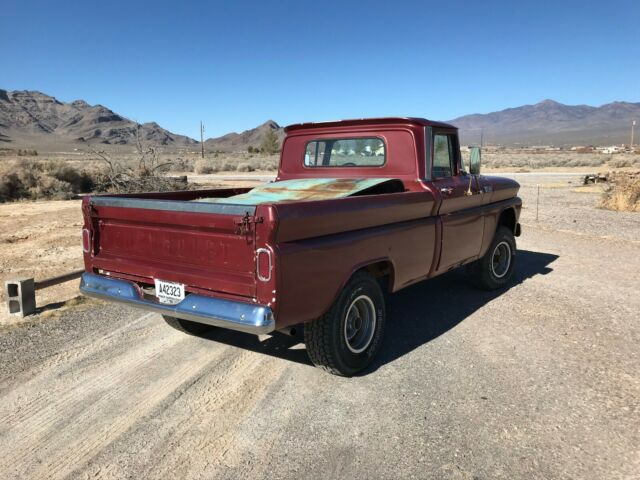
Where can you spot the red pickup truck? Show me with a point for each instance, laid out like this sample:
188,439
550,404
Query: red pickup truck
359,208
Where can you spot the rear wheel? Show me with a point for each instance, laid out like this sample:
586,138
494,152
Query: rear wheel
346,339
187,326
495,269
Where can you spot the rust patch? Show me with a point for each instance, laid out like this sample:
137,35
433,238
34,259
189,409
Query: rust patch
305,189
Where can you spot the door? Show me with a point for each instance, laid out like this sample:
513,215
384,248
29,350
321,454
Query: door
460,209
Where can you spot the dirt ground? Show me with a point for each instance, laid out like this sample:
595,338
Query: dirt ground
537,381
40,240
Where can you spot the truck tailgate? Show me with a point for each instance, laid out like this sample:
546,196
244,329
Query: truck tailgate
202,245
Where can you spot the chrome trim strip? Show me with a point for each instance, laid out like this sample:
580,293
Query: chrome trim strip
240,316
174,205
268,252
428,153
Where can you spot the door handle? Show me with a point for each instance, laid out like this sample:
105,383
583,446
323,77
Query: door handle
446,190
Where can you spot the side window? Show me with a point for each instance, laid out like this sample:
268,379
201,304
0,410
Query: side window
442,157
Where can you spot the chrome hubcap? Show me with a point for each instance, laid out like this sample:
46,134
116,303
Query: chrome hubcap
501,259
360,324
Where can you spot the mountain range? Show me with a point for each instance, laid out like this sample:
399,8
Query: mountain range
33,119
241,141
29,118
551,123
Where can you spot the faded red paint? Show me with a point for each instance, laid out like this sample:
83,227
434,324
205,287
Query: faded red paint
316,245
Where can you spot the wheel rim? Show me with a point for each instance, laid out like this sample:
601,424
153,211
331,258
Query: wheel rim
360,324
501,259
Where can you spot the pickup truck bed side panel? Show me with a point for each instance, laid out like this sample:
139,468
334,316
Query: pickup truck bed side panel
311,274
302,220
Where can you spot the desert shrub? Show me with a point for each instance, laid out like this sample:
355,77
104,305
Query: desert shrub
245,167
227,166
624,193
11,187
79,180
268,165
42,180
27,153
205,167
585,162
179,165
619,163
49,187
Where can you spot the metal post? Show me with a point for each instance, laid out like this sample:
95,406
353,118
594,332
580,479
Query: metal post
537,201
202,138
49,282
633,124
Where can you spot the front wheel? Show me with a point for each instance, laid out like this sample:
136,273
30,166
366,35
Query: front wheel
346,339
495,269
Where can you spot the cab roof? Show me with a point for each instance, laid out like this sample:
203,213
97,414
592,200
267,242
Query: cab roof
368,121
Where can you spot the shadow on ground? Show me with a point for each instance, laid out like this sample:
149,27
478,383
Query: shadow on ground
415,315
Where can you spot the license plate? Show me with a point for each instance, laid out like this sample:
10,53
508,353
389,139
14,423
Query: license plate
169,292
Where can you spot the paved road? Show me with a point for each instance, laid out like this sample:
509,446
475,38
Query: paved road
539,381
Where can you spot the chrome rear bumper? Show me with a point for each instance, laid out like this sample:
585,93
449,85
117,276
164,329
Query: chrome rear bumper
244,317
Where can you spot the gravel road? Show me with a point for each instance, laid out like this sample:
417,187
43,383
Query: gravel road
539,381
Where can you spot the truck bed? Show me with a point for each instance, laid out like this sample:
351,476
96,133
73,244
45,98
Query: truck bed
209,241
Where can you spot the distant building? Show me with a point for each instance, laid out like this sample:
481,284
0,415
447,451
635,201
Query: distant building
612,149
587,149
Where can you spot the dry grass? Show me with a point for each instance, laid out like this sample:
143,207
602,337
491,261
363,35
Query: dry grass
624,193
81,302
530,161
235,162
598,188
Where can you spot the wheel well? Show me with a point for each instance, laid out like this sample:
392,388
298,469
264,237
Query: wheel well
508,219
382,271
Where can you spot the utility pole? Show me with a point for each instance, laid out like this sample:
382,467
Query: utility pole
633,124
202,138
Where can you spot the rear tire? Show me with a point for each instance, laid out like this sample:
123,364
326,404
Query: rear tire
346,339
495,269
187,326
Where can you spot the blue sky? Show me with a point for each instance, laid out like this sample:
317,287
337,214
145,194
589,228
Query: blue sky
236,64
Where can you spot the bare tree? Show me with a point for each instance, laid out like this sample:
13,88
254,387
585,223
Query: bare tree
145,174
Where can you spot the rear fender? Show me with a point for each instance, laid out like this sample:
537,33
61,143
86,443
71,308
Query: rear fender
371,266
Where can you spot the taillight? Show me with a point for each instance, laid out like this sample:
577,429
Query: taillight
264,264
86,240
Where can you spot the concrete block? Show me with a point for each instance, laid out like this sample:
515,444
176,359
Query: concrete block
21,296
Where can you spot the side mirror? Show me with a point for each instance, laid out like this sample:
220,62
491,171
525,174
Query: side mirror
475,159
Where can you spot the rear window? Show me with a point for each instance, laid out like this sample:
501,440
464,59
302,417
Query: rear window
345,152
